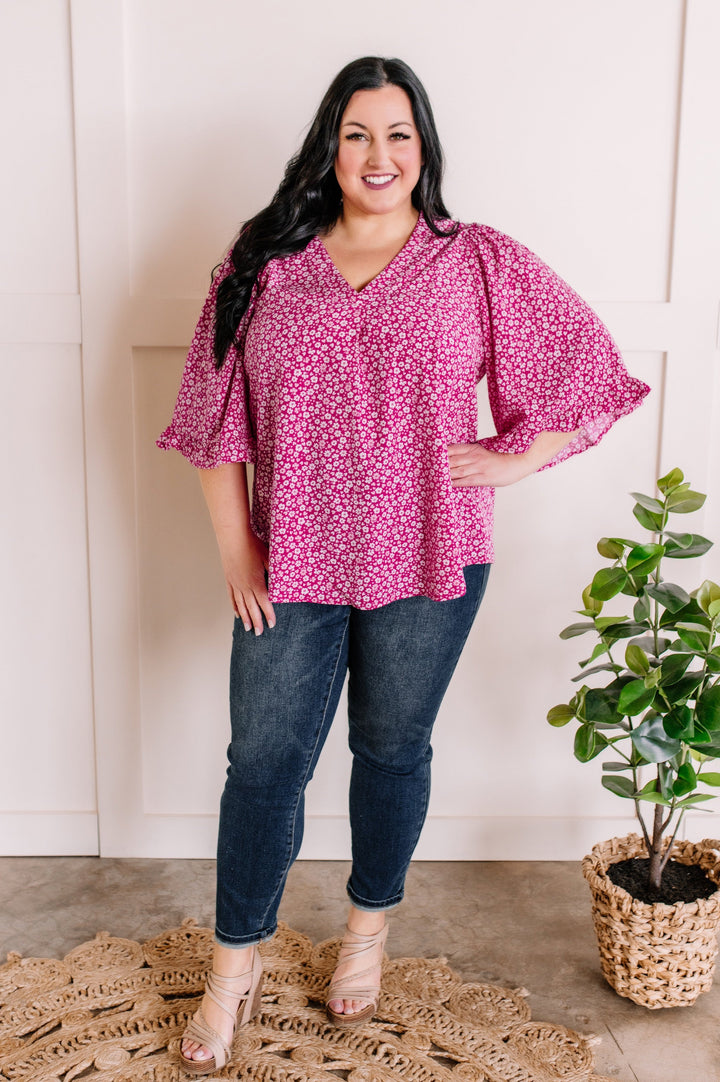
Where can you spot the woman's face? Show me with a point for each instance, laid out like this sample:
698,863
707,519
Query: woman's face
379,153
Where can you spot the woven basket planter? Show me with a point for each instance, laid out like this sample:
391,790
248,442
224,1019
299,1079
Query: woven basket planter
657,955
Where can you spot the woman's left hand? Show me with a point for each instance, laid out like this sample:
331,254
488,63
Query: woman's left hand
472,465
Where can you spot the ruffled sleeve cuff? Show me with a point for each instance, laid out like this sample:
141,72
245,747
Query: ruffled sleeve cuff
212,421
552,365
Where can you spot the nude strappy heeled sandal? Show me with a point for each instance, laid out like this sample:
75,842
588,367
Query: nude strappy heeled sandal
357,946
198,1030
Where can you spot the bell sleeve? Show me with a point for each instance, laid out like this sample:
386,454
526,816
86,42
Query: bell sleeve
212,420
551,364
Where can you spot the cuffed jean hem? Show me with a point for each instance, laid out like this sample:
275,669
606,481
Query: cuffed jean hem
373,907
240,941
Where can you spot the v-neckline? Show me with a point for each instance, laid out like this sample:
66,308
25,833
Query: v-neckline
394,264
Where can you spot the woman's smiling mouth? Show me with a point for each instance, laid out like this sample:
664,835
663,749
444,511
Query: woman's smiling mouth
379,182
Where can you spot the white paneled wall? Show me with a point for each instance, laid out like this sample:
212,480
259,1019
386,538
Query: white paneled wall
47,798
150,129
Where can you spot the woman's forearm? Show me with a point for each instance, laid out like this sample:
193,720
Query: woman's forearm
244,555
226,494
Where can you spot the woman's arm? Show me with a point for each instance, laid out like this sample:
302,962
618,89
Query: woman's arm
244,556
472,464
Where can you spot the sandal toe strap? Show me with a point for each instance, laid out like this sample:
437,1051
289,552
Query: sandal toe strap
198,1030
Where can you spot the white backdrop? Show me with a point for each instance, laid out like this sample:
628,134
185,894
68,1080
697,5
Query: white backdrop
141,133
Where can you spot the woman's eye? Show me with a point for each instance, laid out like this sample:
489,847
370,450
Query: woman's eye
355,135
399,135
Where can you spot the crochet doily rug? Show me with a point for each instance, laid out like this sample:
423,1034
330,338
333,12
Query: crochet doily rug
113,1011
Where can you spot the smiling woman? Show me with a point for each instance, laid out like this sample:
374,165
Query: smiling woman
378,165
340,350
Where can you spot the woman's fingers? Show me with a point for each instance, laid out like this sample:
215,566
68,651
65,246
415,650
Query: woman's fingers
255,613
268,610
250,606
471,464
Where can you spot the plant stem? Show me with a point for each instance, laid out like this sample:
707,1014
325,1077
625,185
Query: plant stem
668,851
656,867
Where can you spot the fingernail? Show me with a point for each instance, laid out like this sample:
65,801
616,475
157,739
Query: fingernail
246,626
258,631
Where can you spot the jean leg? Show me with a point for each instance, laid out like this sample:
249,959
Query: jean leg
401,659
284,689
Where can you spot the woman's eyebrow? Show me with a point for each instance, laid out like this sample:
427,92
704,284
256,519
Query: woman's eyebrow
357,124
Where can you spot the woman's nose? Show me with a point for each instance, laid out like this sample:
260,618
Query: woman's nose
377,154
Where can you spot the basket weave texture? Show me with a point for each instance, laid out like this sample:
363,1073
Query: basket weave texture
657,955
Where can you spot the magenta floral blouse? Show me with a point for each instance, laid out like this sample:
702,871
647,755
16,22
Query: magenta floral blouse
347,400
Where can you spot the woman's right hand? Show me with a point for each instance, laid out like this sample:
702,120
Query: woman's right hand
244,566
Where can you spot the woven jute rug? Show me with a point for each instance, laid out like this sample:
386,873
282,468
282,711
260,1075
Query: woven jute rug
114,1009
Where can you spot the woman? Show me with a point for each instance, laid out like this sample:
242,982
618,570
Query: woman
339,350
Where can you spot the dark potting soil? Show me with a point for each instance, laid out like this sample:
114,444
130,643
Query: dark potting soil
680,882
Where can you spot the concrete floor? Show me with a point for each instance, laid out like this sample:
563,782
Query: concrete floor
513,924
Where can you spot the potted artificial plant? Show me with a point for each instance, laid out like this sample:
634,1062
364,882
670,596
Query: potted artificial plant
649,703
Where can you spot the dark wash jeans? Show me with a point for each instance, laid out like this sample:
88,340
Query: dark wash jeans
284,690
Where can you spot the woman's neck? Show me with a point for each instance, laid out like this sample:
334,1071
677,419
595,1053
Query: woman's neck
358,230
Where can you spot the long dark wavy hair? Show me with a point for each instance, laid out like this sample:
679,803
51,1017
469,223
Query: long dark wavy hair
309,198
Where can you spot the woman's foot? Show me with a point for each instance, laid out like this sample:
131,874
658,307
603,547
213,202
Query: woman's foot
355,985
236,972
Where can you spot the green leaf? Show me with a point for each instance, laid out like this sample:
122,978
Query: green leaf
709,777
607,667
683,546
707,708
686,780
702,747
690,613
665,778
707,594
649,789
652,741
705,740
619,786
608,582
684,501
635,697
684,688
576,629
679,724
671,597
604,622
592,605
641,609
643,559
654,798
652,678
700,622
560,715
697,798
588,743
623,631
623,766
648,519
671,480
696,641
673,668
600,706
649,503
610,548
636,659
598,649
